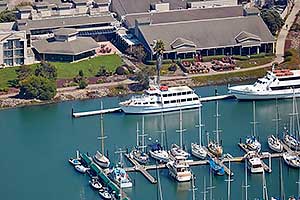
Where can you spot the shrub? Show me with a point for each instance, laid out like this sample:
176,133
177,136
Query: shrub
210,58
82,84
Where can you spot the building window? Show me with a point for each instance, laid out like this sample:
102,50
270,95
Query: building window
189,99
166,102
8,62
173,101
19,61
183,100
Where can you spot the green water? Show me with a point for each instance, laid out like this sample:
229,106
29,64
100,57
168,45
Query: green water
37,141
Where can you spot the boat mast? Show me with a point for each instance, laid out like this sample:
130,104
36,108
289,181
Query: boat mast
229,180
204,187
143,134
254,120
160,194
200,125
162,130
265,189
137,134
193,188
120,152
246,182
102,137
277,120
211,187
282,195
217,121
181,130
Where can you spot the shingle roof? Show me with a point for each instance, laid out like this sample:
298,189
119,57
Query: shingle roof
74,47
186,15
207,33
64,22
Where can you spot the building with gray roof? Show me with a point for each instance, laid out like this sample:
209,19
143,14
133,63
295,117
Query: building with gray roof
65,46
243,35
125,7
184,15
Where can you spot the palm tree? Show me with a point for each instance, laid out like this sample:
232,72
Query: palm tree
159,48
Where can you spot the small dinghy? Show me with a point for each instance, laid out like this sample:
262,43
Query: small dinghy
103,192
74,161
94,183
291,160
81,168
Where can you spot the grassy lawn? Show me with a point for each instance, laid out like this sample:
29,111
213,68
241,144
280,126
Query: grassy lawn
69,70
6,75
254,62
236,76
89,67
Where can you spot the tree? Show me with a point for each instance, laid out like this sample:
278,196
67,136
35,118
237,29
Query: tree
143,76
23,72
159,48
272,19
7,16
138,52
46,70
37,87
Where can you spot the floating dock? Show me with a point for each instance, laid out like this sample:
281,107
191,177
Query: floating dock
112,110
215,98
95,112
104,179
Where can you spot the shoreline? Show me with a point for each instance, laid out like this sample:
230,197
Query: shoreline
97,91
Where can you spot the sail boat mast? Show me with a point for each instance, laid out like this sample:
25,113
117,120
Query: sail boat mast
217,121
193,188
102,137
254,120
181,130
200,125
246,182
137,134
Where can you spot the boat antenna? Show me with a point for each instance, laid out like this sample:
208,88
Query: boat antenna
200,125
246,182
102,137
181,130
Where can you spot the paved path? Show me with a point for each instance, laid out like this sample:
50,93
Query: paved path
284,32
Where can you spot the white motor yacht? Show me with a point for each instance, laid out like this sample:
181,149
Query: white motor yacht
254,163
275,84
179,170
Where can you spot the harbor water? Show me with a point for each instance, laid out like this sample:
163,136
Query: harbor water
36,143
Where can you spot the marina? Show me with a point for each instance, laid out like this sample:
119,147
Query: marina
64,134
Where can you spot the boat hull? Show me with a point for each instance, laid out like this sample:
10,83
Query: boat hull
198,152
159,157
240,93
158,109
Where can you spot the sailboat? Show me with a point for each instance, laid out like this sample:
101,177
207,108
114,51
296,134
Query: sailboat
197,149
251,141
176,152
291,159
138,152
289,138
214,146
156,149
99,158
274,141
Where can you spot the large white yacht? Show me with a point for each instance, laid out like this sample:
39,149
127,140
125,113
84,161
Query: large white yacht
158,99
180,170
276,84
